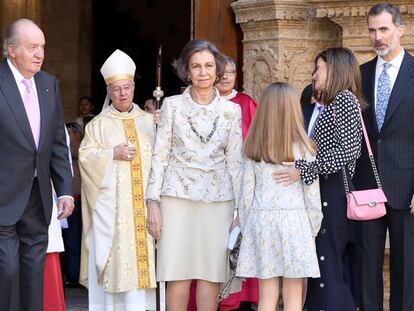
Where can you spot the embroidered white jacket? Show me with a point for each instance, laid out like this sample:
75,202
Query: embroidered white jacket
185,167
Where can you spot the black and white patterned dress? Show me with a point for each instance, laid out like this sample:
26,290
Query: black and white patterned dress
338,137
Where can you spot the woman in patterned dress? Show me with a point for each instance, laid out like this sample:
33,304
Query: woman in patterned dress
338,137
194,180
278,223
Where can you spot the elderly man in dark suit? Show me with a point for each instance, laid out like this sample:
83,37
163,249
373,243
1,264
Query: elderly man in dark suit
387,83
33,151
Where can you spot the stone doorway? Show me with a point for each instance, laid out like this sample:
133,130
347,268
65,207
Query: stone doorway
138,28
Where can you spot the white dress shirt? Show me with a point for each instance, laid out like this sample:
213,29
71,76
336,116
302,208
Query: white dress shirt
18,77
314,117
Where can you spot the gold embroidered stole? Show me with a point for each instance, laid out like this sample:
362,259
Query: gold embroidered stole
138,207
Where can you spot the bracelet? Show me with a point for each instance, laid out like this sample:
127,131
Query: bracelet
149,201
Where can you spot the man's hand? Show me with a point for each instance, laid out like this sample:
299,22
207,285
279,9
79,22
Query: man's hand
124,152
287,176
235,222
412,205
65,207
157,116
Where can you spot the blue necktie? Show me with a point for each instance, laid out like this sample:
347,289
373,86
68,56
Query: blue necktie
383,95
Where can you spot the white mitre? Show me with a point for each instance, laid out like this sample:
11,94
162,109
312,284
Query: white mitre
118,66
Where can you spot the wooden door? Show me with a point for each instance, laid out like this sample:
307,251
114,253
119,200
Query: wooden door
214,20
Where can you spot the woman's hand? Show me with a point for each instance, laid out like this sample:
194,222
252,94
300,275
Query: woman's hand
235,223
154,221
287,176
157,116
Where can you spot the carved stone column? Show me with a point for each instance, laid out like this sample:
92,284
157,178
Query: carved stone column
280,41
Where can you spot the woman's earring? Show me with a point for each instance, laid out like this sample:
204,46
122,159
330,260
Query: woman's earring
188,79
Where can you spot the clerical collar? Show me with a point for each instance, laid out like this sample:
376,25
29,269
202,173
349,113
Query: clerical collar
132,107
232,94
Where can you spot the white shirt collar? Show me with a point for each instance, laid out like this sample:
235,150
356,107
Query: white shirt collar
317,105
16,73
396,62
18,77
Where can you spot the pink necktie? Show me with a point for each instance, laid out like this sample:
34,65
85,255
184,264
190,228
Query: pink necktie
32,110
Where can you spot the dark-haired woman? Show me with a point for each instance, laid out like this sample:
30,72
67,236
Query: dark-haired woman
338,137
194,180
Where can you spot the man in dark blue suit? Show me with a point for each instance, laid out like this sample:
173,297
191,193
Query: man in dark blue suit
33,152
387,83
311,109
307,104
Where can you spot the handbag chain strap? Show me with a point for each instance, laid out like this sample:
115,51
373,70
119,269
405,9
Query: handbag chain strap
371,156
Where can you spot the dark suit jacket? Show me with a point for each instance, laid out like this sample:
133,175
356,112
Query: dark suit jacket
307,111
19,157
393,146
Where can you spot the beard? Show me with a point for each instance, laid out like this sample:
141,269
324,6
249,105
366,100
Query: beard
383,52
389,48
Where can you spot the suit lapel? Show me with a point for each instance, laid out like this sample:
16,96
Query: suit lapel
404,79
307,110
13,99
369,86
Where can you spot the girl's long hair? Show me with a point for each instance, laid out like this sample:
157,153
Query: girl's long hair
276,126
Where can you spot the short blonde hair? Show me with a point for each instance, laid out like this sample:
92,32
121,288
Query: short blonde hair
276,126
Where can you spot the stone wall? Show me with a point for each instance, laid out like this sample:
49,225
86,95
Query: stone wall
282,37
67,27
14,9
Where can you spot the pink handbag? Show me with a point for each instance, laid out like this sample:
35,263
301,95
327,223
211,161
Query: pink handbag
365,204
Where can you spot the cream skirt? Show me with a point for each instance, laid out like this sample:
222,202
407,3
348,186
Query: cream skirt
193,244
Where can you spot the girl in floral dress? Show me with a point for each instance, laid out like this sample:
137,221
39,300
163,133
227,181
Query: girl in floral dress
278,222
